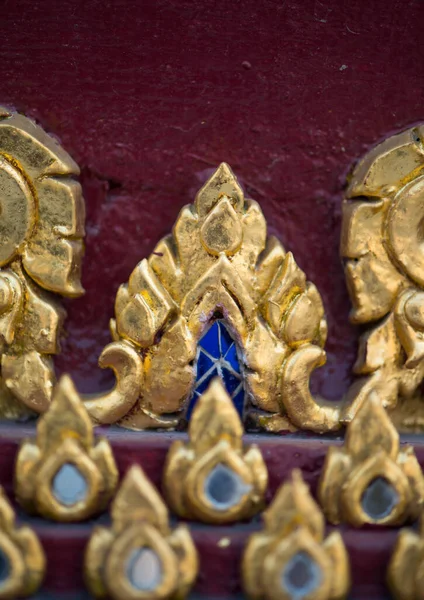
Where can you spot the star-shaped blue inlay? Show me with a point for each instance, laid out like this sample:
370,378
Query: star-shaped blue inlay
217,356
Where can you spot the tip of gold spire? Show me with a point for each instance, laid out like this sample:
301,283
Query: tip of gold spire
222,183
215,417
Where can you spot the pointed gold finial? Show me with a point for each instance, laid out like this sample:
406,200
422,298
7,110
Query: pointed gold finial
290,558
370,479
22,560
213,478
65,474
140,557
405,574
218,268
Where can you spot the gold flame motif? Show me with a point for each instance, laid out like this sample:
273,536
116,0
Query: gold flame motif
405,574
140,523
213,478
370,479
63,459
22,556
293,538
218,264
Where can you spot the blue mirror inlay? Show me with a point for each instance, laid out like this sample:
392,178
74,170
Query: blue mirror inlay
217,357
379,499
301,576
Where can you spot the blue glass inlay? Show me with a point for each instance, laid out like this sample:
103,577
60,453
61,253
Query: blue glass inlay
204,364
225,339
301,576
217,356
210,341
231,357
202,385
231,380
238,400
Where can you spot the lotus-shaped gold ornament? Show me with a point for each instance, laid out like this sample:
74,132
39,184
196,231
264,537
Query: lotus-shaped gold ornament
213,478
405,575
290,558
218,265
65,474
140,558
371,480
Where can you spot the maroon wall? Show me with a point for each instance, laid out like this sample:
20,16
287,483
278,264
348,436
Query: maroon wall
149,96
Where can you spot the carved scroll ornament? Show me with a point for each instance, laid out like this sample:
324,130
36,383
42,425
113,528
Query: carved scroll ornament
382,244
41,230
218,264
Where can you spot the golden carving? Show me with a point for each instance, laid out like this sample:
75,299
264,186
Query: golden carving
114,562
41,229
219,264
291,541
405,574
21,554
370,479
65,474
382,236
213,478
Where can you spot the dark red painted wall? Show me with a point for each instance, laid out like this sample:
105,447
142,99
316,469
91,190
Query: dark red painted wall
150,96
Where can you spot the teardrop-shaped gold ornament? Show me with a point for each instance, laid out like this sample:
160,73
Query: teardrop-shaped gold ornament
213,477
289,558
371,479
65,474
22,559
222,230
140,557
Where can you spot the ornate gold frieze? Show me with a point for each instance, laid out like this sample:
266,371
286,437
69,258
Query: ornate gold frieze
41,247
382,245
289,558
217,264
213,477
65,474
22,560
370,479
405,574
140,557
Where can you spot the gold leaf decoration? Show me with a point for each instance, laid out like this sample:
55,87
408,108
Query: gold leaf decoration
65,474
371,480
213,478
42,228
381,244
22,556
289,558
219,264
405,574
140,557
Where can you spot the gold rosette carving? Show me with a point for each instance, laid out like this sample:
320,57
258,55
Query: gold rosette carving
42,227
140,557
289,558
213,477
219,265
22,560
370,479
65,474
405,574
